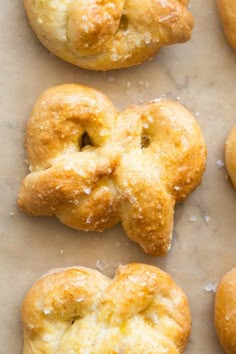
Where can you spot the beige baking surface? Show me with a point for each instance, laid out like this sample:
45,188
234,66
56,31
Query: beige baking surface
202,73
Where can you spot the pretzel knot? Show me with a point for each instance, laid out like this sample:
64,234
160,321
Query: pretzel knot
79,310
93,167
103,35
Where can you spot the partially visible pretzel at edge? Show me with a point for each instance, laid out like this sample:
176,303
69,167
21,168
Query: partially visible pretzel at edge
108,34
93,167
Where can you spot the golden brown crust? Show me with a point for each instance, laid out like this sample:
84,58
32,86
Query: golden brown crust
230,155
139,163
227,10
225,312
104,35
78,310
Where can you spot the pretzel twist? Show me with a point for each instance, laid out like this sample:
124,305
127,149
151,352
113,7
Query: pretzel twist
79,310
108,34
227,11
225,312
137,165
230,155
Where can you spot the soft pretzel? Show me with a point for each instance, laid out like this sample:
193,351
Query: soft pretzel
230,155
225,312
78,310
136,166
108,34
227,10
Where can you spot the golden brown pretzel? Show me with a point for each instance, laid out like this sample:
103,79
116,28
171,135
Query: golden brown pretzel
230,155
79,310
108,34
137,165
227,10
225,312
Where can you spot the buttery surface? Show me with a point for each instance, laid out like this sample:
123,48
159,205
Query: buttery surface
201,73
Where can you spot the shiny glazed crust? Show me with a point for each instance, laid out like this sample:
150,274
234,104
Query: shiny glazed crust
227,10
104,35
230,155
137,165
225,312
79,310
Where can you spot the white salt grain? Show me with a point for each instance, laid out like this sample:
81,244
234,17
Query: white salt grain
219,164
207,219
87,190
193,219
211,287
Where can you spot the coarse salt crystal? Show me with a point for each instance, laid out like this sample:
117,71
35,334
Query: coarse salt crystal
46,311
211,287
219,164
207,219
177,188
87,190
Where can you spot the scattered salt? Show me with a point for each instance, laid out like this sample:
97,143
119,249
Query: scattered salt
207,219
193,219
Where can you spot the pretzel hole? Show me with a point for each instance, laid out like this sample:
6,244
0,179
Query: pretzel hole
124,22
85,140
145,141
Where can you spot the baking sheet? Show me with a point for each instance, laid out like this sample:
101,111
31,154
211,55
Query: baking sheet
201,74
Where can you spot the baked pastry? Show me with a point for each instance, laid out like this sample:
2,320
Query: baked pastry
78,310
227,10
104,35
230,155
93,167
225,312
